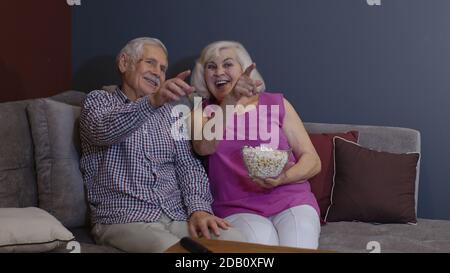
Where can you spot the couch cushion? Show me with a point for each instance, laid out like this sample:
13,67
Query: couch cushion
54,127
17,174
426,236
372,186
322,183
87,243
83,235
87,248
30,230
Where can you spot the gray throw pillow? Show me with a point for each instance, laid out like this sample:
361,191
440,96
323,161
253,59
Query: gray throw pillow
31,230
54,127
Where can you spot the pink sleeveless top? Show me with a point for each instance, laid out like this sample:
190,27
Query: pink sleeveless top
233,190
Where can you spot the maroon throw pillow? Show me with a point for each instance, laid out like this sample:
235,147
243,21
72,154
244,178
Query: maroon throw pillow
372,186
322,183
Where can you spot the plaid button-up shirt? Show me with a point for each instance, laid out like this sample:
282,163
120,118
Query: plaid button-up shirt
132,167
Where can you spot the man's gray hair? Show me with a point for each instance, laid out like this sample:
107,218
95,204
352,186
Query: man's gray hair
213,50
134,48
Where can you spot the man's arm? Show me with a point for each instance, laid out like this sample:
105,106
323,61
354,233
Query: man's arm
105,121
192,177
196,193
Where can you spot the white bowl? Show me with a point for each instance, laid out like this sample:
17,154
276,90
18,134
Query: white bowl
263,162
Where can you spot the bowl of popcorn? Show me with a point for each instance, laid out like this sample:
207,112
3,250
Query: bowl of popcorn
264,162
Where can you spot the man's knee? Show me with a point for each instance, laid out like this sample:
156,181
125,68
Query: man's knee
135,237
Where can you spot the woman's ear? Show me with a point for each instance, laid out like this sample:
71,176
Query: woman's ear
123,62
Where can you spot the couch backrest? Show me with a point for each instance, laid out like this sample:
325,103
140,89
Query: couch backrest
34,167
380,138
17,172
71,97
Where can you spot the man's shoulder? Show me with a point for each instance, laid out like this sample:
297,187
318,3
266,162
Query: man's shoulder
99,93
99,96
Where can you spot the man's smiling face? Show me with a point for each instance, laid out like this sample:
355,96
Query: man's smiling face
145,76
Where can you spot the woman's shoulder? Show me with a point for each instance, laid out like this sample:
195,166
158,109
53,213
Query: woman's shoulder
270,97
272,93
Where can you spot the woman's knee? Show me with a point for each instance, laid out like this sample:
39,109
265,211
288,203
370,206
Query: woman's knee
298,227
255,228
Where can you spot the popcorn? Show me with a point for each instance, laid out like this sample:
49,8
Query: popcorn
264,162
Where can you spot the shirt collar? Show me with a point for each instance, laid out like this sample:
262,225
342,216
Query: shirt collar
122,95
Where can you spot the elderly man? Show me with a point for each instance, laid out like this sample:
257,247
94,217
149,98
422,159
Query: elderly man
146,190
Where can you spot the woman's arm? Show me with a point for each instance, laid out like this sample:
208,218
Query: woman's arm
201,146
308,164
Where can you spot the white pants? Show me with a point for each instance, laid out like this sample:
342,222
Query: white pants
295,227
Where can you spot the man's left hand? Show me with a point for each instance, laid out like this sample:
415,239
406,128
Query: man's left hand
201,222
172,90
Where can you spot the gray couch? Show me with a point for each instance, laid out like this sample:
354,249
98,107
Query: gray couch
39,162
426,236
39,156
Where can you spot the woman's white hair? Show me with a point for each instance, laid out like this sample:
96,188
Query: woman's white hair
213,50
134,48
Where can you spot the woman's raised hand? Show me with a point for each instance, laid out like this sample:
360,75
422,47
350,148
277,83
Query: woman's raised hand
246,86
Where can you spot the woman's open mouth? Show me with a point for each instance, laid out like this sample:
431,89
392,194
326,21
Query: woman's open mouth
220,83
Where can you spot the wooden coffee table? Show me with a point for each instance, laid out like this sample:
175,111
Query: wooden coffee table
221,246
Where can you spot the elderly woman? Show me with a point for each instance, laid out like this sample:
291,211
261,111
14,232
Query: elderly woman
274,211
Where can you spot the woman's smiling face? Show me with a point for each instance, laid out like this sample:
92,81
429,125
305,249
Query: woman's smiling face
222,72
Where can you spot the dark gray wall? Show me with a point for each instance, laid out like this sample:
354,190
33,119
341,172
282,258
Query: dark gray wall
336,61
